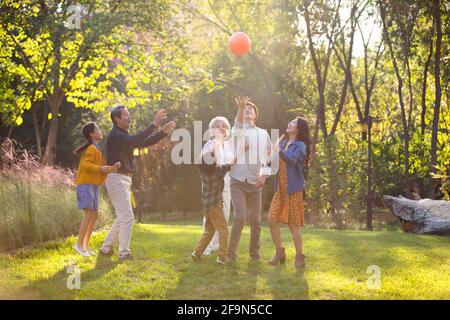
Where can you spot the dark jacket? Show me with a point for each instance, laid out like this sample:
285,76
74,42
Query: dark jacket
120,145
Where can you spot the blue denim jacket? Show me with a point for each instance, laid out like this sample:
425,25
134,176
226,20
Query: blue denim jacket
294,157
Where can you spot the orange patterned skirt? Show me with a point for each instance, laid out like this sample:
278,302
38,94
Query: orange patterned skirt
286,208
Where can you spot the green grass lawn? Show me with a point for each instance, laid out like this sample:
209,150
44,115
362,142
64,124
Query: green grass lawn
412,267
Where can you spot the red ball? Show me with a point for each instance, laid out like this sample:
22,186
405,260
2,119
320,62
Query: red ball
240,43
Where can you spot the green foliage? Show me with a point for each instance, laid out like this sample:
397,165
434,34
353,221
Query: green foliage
173,54
444,176
82,53
86,60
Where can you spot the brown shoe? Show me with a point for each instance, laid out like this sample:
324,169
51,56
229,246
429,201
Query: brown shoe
102,253
280,257
195,257
222,261
300,261
232,259
127,257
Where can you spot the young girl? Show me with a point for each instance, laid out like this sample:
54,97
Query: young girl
91,174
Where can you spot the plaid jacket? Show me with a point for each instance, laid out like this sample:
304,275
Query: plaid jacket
212,184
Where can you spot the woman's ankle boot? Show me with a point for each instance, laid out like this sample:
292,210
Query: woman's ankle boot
300,261
280,257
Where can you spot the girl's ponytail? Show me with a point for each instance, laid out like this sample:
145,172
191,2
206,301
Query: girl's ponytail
88,128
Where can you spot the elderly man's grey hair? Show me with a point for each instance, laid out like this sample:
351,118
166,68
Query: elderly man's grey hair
214,121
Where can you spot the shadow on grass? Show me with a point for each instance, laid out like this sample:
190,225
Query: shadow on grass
62,284
207,280
247,281
243,280
287,285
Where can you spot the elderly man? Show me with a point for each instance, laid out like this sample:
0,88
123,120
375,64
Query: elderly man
119,148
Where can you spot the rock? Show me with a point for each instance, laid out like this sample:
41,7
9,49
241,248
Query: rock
421,216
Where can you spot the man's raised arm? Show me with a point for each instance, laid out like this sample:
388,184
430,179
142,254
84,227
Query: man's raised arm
142,138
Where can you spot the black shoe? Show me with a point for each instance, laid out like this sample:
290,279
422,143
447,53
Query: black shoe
105,254
126,257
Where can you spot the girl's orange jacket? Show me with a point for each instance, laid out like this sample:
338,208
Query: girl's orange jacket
89,169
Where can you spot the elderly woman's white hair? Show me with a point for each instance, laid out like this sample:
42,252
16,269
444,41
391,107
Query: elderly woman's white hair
214,121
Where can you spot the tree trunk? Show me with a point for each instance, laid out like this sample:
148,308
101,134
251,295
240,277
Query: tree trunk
315,139
333,198
437,101
55,102
50,148
10,131
369,176
400,97
44,119
424,86
320,111
37,135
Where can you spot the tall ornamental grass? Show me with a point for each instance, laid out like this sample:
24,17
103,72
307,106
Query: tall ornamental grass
37,202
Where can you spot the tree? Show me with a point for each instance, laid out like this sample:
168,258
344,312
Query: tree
325,26
398,20
57,44
371,67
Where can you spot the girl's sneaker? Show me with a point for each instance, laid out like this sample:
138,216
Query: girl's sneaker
91,252
81,251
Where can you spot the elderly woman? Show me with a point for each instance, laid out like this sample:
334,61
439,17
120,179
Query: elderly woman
219,129
222,150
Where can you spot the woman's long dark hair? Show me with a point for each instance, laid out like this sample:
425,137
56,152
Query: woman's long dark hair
88,128
304,135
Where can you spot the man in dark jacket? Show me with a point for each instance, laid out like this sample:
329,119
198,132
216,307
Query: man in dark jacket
119,148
